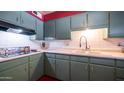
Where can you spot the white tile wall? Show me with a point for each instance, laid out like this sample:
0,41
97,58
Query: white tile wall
95,40
16,40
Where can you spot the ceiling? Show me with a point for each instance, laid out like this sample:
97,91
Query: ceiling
46,12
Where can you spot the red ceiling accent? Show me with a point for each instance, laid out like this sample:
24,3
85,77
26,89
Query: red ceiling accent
46,12
30,12
60,14
55,14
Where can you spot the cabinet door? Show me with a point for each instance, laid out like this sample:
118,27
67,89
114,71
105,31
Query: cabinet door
79,71
18,73
50,67
79,21
63,28
39,30
62,69
120,73
36,66
97,19
27,21
116,24
49,29
10,17
101,73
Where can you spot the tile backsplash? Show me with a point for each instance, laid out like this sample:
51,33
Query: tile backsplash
15,40
95,39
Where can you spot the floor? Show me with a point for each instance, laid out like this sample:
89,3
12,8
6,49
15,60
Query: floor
47,78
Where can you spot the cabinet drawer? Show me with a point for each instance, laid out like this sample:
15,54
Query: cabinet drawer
120,73
36,56
103,61
60,56
50,55
79,58
13,63
120,63
119,79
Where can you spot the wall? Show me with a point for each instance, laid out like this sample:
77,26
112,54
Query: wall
95,40
16,40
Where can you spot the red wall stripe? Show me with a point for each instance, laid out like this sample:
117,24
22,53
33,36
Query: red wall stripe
60,14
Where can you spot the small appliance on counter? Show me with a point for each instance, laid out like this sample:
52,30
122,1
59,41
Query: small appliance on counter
44,45
14,51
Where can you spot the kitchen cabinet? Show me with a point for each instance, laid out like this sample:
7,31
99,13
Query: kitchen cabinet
120,70
39,30
101,73
36,66
62,69
18,18
97,19
116,24
79,71
119,73
50,67
14,70
27,21
79,21
63,28
102,69
49,28
103,61
12,17
19,73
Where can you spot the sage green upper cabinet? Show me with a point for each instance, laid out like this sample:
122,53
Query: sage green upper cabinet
100,73
78,21
36,66
116,24
49,28
63,28
39,30
27,21
12,17
97,19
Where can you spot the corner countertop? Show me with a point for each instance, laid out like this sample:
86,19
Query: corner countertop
78,52
20,56
91,53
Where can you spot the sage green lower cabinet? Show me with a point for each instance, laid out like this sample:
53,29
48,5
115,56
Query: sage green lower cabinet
36,66
62,69
50,67
79,71
120,73
15,70
101,73
19,73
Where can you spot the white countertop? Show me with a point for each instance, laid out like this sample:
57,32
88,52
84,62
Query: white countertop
15,57
79,52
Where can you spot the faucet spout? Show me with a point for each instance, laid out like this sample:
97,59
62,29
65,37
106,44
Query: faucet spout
86,43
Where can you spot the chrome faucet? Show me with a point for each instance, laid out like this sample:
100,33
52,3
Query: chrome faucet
86,44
